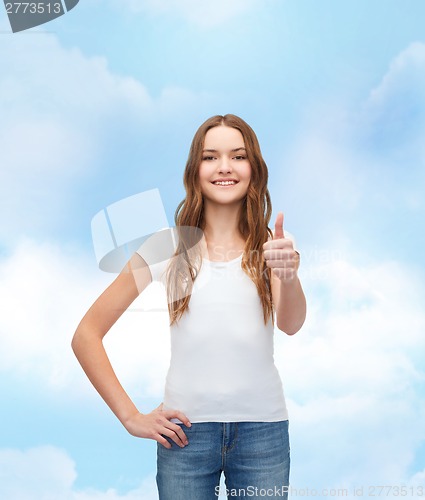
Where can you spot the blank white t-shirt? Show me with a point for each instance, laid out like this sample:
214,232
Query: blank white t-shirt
222,354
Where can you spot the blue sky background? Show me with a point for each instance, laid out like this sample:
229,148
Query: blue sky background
101,104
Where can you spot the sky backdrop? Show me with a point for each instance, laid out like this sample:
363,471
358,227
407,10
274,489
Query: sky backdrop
102,103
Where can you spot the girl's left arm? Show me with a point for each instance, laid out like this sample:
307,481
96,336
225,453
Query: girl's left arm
290,304
287,293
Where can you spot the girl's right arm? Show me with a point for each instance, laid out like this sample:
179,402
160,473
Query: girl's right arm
87,344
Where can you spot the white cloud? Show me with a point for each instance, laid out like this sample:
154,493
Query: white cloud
404,82
393,117
45,291
60,114
56,107
48,473
36,473
204,14
355,165
418,479
353,375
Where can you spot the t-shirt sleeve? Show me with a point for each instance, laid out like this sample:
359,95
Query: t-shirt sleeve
157,250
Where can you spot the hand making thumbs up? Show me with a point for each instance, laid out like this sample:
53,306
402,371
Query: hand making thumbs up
280,255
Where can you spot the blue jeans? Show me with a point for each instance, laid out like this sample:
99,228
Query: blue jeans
254,456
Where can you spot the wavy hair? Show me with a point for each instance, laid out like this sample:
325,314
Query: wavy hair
254,218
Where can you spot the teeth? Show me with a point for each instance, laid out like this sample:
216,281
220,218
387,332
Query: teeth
225,183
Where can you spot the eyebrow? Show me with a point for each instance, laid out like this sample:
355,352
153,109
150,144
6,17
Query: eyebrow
215,151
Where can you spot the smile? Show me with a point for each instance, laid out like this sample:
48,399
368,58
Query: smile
224,183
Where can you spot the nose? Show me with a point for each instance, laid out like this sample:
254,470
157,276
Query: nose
225,166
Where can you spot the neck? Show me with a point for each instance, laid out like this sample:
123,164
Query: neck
221,223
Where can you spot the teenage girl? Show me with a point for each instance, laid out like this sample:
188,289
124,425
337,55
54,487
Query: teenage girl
223,408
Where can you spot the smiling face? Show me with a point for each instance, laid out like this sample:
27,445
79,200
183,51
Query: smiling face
224,172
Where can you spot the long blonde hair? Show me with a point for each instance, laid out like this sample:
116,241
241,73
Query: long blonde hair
254,218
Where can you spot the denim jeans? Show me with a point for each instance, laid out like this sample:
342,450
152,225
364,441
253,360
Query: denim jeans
254,457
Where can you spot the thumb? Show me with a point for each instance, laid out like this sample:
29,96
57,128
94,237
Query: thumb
278,227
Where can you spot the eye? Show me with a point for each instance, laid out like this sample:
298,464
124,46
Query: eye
240,157
208,158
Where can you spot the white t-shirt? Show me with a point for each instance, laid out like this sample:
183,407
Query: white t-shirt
222,354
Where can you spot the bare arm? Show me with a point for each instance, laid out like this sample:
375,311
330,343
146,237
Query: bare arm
287,293
87,344
290,304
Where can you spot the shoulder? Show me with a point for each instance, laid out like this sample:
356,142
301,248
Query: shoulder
157,250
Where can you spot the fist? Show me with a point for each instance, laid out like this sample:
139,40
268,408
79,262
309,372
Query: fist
280,255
